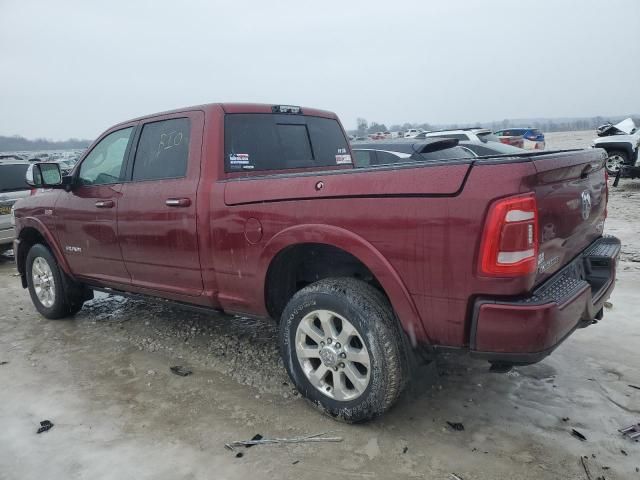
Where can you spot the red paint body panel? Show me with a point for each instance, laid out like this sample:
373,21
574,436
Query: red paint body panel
537,329
159,243
416,227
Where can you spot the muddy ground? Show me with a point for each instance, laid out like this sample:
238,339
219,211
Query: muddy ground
103,379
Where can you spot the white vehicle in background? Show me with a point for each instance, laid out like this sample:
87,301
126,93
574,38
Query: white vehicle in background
477,135
12,188
621,142
413,132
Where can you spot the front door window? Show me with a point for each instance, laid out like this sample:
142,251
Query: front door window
104,163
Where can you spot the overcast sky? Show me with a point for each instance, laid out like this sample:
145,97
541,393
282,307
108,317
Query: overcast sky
73,68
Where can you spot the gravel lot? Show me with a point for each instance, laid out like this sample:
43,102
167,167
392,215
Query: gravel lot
103,379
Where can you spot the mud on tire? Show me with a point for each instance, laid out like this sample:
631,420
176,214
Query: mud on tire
369,312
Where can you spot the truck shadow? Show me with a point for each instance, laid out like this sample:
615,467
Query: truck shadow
451,388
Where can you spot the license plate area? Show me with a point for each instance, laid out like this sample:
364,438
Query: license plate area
5,209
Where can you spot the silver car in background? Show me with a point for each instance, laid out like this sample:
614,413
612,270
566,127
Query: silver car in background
12,188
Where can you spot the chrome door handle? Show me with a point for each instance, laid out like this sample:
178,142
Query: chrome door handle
104,204
177,202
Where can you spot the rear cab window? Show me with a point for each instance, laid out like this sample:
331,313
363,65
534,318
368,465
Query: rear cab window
264,141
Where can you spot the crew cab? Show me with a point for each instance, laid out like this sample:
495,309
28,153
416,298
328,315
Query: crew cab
259,210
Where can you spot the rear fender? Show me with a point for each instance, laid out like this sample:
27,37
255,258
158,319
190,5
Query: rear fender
365,252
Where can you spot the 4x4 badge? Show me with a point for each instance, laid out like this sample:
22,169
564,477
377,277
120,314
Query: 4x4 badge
586,204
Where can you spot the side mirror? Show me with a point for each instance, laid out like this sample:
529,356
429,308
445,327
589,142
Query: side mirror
44,175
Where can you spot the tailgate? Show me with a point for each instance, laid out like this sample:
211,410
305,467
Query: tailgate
571,193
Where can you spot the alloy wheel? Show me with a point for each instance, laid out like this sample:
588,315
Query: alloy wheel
43,282
333,355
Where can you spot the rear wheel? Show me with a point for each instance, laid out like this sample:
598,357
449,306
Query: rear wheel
52,292
615,160
343,349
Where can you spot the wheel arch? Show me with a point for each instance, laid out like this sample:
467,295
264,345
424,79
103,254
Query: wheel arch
332,237
626,147
33,231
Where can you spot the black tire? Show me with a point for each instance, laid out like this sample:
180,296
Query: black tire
370,313
612,164
69,296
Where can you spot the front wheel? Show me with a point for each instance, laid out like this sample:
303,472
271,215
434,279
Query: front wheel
615,160
52,296
343,349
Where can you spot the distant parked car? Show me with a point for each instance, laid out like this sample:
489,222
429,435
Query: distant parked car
377,136
622,144
12,188
412,132
376,154
491,148
462,134
528,138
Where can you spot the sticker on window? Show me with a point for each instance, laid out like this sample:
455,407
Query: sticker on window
343,159
239,160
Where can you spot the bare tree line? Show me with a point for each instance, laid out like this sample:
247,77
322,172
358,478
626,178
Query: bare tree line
17,143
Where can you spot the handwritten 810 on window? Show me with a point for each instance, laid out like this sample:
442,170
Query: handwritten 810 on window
169,140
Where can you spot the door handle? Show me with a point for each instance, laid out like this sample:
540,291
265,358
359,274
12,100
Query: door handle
177,202
105,204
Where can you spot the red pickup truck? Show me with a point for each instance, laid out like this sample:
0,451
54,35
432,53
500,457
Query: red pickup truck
258,210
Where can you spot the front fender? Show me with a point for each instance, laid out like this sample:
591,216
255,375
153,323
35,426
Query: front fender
42,229
364,251
625,146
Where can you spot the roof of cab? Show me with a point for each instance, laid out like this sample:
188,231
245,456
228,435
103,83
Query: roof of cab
233,108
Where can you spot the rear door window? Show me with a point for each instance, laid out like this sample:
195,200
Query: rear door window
255,142
12,177
163,150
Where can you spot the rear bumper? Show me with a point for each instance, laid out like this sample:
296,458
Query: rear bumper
526,330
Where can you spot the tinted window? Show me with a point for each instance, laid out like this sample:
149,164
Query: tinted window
104,163
444,154
385,158
364,158
487,137
163,150
279,142
513,132
12,177
493,148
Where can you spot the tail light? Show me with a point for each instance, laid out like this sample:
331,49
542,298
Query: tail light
33,191
504,140
509,244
